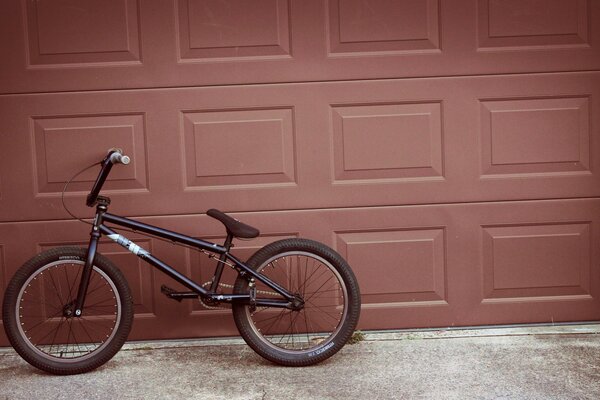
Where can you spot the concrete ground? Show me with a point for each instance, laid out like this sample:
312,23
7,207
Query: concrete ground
505,363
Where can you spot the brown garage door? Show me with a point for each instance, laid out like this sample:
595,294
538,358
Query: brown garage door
450,150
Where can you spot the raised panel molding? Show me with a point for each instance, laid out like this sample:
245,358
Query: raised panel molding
536,262
388,26
387,142
529,24
239,147
57,136
209,29
82,32
536,136
413,263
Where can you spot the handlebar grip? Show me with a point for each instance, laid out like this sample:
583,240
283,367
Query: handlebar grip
117,157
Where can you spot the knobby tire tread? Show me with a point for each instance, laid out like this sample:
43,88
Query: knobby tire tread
348,325
33,265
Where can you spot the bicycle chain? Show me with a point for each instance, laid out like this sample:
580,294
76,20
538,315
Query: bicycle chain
225,285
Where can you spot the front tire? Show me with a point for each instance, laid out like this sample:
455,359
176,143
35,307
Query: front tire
38,312
325,282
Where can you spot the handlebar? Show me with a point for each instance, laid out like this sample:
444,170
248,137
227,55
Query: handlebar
114,156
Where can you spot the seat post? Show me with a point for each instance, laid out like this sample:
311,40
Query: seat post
221,263
228,241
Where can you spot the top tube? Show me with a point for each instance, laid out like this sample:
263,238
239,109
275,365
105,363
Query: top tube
163,233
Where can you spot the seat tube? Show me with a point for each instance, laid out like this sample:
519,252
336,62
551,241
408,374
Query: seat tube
89,260
221,263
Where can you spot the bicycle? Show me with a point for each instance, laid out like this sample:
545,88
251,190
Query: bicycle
69,310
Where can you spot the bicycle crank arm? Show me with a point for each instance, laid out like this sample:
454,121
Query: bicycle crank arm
173,294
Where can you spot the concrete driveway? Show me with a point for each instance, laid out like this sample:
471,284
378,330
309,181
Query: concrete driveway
506,363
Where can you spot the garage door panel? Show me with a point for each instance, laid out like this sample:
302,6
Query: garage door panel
537,256
212,136
403,260
541,257
55,138
525,24
310,146
418,266
389,141
68,34
57,159
529,140
526,136
194,149
133,44
413,263
359,28
209,29
48,45
535,261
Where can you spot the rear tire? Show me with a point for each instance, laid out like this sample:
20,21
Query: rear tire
323,279
38,312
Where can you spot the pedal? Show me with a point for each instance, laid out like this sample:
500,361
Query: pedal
167,291
175,295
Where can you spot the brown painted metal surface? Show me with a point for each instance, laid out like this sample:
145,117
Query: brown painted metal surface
450,150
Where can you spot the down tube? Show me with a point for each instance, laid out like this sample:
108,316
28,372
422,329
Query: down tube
149,258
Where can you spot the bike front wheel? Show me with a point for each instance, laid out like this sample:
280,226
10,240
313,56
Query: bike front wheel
38,312
330,293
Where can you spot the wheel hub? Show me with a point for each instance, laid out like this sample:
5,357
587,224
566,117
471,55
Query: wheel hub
69,310
297,303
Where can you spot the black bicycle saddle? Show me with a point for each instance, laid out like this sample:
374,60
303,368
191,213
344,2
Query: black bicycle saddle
233,226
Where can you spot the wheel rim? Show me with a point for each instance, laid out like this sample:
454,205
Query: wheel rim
41,312
312,329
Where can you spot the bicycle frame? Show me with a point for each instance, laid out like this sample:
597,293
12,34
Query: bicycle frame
99,228
308,292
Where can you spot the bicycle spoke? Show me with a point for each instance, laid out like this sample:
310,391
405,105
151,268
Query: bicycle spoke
53,334
320,288
330,315
29,329
74,283
62,319
55,288
317,291
88,334
280,316
68,283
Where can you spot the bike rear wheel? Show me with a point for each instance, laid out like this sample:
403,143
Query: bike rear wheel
38,312
331,297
